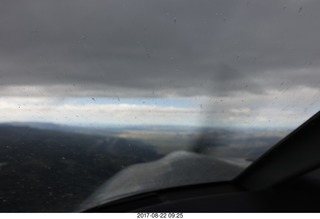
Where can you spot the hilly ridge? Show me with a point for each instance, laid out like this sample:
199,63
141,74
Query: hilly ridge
48,170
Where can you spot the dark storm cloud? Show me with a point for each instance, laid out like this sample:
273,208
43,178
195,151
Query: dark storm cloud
173,47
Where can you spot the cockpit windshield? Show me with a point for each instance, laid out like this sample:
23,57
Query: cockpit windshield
90,88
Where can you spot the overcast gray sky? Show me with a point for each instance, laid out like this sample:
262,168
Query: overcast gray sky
183,47
210,49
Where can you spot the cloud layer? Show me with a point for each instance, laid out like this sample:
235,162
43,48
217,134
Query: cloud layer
179,48
234,58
